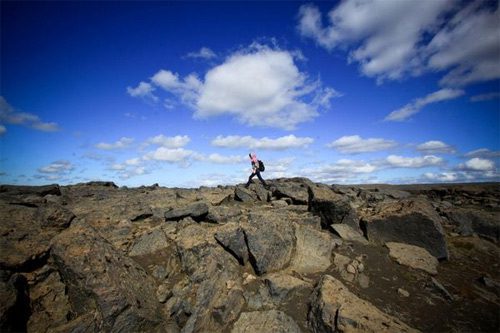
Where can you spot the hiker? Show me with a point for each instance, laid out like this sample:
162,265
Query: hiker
255,170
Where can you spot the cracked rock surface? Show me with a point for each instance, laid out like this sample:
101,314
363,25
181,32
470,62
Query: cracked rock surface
295,256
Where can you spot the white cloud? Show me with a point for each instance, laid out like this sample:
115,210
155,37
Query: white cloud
221,159
483,153
124,142
10,115
203,53
57,167
342,171
177,141
143,90
441,177
416,105
3,130
249,142
258,86
435,147
468,45
485,97
408,38
354,144
413,162
170,155
187,89
478,164
133,161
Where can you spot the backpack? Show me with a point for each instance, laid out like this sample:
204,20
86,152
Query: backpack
261,166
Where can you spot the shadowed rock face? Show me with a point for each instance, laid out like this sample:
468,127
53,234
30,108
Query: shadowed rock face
292,257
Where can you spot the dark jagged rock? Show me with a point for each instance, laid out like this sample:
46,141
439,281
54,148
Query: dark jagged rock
14,305
271,241
103,280
232,239
244,195
470,221
408,221
97,258
41,191
197,211
331,207
296,191
102,183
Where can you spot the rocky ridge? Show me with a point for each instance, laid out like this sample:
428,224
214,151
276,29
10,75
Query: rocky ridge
294,257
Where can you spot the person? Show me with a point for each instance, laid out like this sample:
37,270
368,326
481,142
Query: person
255,170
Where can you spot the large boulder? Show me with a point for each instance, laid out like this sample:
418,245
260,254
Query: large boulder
217,298
271,241
244,195
100,279
150,242
332,207
197,211
411,221
44,190
470,221
272,321
295,189
313,250
281,285
232,239
26,233
335,309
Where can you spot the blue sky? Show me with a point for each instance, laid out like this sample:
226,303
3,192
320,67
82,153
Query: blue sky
178,93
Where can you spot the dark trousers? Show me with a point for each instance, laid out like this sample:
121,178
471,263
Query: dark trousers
256,173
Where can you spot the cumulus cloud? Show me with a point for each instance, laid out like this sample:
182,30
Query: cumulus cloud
55,170
10,115
249,142
408,38
221,159
416,105
442,177
435,147
342,171
144,90
177,141
478,164
354,144
413,162
124,142
258,86
203,53
170,155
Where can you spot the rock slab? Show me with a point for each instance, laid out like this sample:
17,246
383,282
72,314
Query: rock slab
335,309
413,256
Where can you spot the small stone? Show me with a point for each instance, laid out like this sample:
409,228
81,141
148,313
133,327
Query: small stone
351,269
403,292
361,267
364,281
247,278
163,293
230,284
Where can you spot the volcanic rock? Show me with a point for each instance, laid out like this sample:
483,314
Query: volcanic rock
411,221
335,309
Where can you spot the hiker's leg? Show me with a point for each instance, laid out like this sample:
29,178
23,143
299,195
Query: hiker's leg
260,178
250,179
